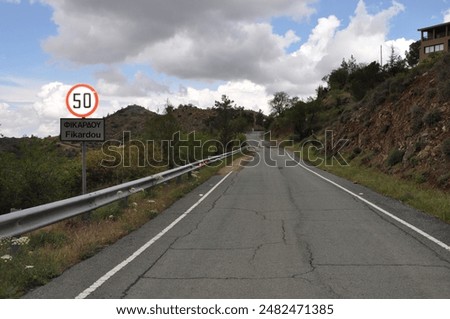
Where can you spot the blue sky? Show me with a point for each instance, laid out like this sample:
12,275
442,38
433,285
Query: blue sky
235,48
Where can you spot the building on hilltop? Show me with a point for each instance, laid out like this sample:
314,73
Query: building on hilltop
435,39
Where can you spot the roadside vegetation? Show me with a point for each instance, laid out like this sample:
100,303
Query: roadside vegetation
34,259
412,192
35,171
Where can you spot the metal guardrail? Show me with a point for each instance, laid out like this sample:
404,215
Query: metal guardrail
26,220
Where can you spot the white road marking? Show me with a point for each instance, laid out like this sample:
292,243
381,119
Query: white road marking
138,252
401,221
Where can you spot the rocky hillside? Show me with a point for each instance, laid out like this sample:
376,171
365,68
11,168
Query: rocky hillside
403,126
191,118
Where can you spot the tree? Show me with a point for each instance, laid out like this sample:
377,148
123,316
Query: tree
338,78
396,64
365,79
321,92
224,117
412,56
260,118
36,173
162,130
350,65
280,102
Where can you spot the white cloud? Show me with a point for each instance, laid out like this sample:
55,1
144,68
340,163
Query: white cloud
108,31
361,38
236,52
447,15
16,121
212,41
229,42
51,104
244,93
400,47
112,82
319,39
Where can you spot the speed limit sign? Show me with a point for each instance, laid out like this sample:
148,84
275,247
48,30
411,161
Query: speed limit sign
82,100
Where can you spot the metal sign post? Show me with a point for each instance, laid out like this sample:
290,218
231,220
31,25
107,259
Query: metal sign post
82,101
83,168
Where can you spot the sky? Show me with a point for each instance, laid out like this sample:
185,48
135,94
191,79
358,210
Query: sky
154,52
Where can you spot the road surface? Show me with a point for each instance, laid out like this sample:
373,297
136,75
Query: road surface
271,230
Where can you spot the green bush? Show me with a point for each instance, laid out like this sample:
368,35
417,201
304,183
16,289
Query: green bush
416,113
446,147
111,211
444,180
444,91
395,157
414,161
420,178
432,117
431,93
53,238
36,173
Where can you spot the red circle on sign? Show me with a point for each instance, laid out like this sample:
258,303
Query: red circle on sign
71,109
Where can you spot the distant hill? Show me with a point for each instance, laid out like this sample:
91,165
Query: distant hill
133,118
191,118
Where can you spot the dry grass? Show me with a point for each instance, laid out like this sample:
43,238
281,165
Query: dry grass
237,165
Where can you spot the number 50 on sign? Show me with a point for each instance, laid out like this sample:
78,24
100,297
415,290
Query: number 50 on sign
82,100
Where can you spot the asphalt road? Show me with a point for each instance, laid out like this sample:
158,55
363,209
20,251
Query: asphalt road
271,230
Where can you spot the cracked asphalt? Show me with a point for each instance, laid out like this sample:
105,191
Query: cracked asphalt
273,232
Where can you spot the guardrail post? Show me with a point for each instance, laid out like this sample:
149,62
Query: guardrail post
83,168
13,247
124,202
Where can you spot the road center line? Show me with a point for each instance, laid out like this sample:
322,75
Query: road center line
401,221
138,252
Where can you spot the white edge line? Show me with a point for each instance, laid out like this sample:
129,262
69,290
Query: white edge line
138,252
401,221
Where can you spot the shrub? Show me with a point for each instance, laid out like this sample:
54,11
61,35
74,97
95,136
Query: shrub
414,161
431,93
355,153
357,150
345,116
446,147
444,180
395,157
420,178
385,128
444,91
416,113
433,117
53,238
111,211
